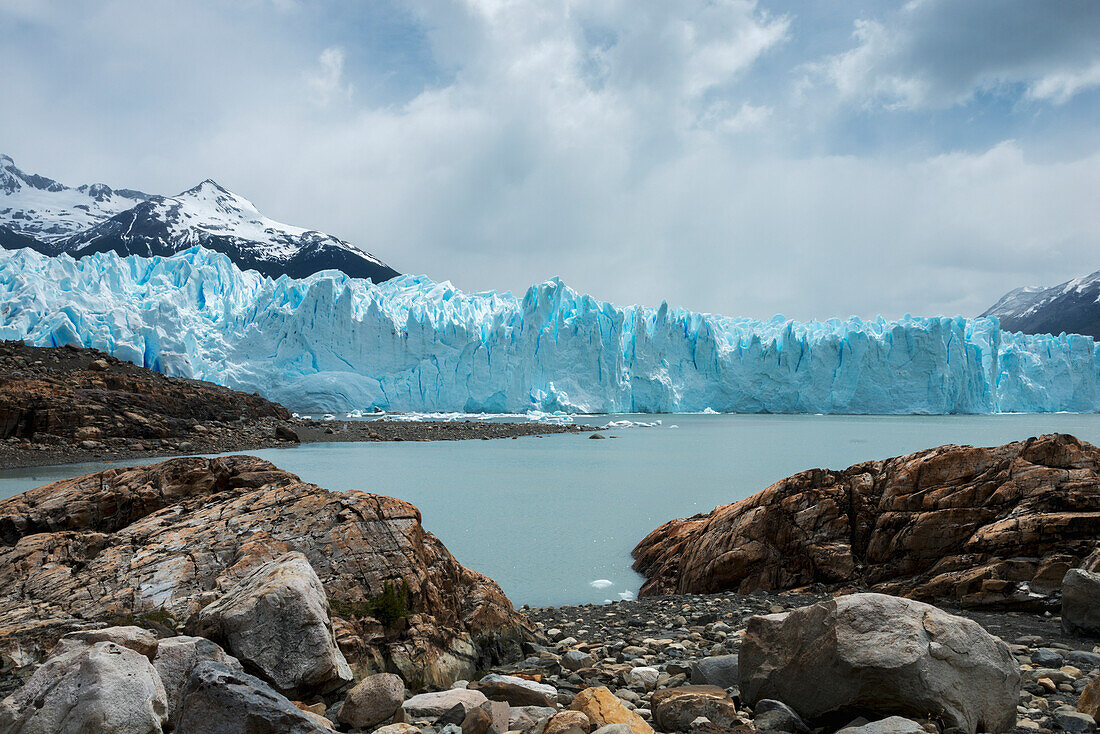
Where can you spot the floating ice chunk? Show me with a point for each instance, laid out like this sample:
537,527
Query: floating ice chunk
627,595
601,584
624,423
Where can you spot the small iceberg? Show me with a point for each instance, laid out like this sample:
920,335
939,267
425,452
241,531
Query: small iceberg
601,584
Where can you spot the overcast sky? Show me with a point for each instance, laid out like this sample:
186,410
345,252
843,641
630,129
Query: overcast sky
813,159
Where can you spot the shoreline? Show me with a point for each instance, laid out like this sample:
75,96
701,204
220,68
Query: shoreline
695,639
215,438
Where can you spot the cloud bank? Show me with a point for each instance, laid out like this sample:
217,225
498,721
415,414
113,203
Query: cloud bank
735,156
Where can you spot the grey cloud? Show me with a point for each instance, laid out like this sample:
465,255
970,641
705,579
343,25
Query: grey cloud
564,138
940,52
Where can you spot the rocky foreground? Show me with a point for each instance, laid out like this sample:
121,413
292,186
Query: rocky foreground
62,405
210,596
157,545
983,527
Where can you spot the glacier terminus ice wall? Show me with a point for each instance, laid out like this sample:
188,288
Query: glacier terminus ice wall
330,343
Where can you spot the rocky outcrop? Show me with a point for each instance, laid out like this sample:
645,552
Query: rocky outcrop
86,395
872,653
160,542
991,527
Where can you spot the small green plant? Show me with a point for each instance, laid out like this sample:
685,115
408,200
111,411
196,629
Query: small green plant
392,604
388,607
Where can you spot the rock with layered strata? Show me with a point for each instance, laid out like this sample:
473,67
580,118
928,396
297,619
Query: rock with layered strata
170,538
515,691
986,527
434,704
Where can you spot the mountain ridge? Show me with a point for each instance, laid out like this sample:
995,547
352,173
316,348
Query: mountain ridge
52,218
1072,307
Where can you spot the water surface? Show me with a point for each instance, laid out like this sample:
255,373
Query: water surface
547,516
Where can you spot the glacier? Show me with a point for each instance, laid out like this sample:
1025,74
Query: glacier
332,343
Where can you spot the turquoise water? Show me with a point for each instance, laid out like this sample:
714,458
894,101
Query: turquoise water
547,516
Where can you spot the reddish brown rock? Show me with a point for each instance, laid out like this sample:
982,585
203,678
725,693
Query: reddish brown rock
983,526
162,541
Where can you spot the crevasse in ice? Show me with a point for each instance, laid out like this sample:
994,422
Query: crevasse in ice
332,343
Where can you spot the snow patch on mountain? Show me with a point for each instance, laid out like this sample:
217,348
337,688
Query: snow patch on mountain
333,343
49,211
1072,307
95,218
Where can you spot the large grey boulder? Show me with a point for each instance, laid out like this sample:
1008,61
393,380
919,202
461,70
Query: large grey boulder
434,705
1081,602
882,655
177,657
719,670
276,620
218,699
104,688
373,700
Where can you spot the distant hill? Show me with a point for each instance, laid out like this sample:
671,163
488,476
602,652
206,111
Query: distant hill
52,218
1072,307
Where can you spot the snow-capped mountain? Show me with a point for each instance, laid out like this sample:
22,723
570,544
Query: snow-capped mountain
39,208
1072,307
46,216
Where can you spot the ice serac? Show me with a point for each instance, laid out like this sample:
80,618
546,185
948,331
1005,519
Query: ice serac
330,342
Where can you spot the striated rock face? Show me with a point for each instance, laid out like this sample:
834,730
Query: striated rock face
167,539
994,527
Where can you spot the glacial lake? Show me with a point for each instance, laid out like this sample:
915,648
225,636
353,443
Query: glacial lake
548,516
